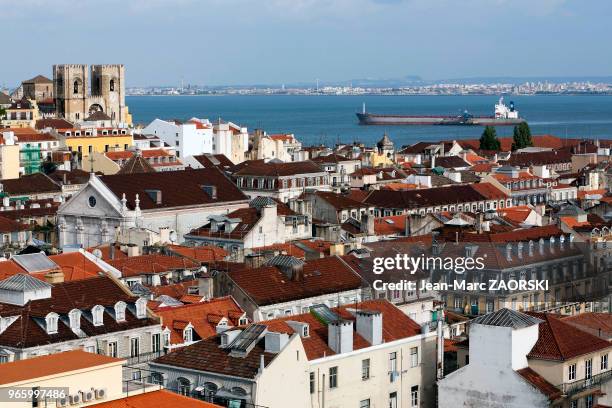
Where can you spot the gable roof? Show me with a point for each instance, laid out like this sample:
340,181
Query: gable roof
178,188
274,169
559,340
268,285
38,79
151,264
449,162
203,316
81,294
136,164
30,184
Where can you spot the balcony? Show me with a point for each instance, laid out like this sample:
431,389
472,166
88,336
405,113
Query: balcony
575,387
144,357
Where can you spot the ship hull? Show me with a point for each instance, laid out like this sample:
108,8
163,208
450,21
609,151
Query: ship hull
399,120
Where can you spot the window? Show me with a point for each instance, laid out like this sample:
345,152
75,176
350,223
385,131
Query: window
156,342
414,396
187,335
97,313
333,377
111,86
392,366
364,403
588,368
112,349
157,378
393,400
604,362
312,382
365,369
183,386
134,347
141,311
414,356
51,322
120,311
4,358
574,404
90,349
572,372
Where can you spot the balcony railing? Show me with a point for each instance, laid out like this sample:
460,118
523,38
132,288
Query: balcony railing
575,387
144,357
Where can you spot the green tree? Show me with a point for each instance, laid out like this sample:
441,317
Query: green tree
488,140
521,136
2,114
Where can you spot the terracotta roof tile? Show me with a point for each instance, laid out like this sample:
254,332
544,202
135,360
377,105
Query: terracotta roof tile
269,285
156,399
198,315
57,363
540,383
559,340
150,264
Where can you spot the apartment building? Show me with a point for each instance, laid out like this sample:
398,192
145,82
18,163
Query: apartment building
98,315
368,354
471,197
264,222
287,286
339,168
282,181
543,361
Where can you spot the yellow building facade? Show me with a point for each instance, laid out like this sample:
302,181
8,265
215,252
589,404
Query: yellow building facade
84,145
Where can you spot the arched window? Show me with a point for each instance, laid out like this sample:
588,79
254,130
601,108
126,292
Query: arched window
141,311
183,386
75,86
51,322
97,313
120,311
75,319
157,378
188,334
239,391
112,85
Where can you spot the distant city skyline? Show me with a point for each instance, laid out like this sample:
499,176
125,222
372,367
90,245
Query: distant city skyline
235,42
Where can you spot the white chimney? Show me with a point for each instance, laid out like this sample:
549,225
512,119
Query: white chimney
340,336
369,326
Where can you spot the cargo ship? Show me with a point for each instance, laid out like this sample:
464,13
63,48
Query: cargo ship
504,116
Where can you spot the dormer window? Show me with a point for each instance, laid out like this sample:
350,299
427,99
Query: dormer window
97,313
242,321
188,335
141,311
120,311
51,323
75,319
305,330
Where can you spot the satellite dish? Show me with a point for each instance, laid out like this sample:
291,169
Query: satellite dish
173,236
97,253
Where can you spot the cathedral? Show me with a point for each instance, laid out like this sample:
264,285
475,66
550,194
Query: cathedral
90,93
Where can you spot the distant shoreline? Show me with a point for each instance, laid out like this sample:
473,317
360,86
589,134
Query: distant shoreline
382,94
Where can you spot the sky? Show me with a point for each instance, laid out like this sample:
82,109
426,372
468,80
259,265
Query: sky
230,42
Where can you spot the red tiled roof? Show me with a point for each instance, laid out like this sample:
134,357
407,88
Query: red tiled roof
391,225
199,315
489,191
156,399
8,225
396,325
151,264
269,285
57,363
174,290
559,340
178,188
516,214
535,379
339,201
598,324
200,253
272,169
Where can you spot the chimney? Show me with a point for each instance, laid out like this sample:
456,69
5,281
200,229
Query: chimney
275,342
369,326
133,250
367,224
205,286
408,226
112,250
340,336
53,277
262,363
433,161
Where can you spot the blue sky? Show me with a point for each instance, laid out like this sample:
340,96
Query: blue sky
212,42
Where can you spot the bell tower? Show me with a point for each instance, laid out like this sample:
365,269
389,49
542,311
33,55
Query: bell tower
108,85
71,89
